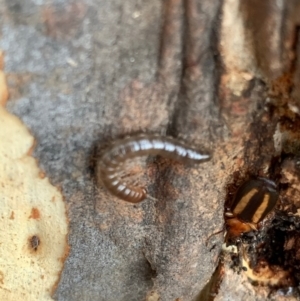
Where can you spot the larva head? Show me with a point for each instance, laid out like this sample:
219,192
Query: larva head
253,201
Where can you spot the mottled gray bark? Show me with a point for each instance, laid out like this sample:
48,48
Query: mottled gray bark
82,73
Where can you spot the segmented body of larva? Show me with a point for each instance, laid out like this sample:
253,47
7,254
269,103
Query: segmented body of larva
113,157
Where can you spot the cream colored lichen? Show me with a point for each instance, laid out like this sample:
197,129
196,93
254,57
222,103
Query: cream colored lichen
153,296
265,274
236,48
33,223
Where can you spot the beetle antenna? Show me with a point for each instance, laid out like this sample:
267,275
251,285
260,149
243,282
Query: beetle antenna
213,234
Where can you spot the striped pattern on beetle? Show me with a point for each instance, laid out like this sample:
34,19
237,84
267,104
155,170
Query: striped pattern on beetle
111,161
253,201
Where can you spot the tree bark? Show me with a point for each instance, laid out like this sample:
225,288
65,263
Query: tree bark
222,75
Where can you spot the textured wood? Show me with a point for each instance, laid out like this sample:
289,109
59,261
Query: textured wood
82,73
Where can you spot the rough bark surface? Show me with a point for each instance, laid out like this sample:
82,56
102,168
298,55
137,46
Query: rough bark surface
82,73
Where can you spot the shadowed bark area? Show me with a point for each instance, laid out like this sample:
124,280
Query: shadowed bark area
223,75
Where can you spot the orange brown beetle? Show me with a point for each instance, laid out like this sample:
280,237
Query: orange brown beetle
253,201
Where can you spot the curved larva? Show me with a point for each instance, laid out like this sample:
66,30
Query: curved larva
141,145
